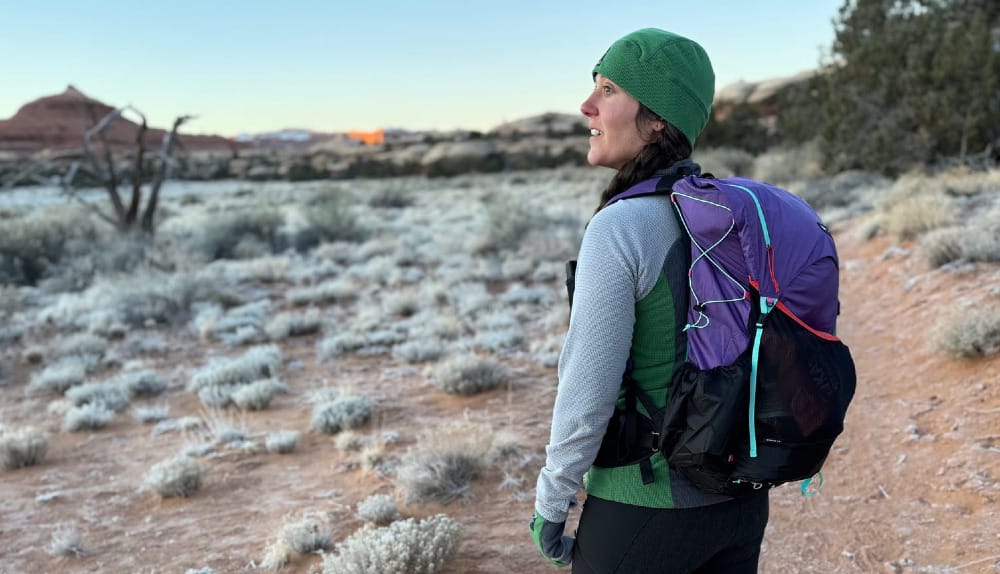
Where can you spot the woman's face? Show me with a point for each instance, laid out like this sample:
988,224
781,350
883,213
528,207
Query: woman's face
614,136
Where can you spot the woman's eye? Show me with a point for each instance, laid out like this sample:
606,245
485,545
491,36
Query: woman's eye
607,90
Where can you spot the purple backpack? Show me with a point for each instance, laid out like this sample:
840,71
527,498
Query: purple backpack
766,385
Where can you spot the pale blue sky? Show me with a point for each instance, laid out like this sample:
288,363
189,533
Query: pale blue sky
337,65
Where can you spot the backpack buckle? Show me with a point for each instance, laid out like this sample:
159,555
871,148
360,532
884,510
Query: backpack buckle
656,440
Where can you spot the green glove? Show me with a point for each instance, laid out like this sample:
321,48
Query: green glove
549,539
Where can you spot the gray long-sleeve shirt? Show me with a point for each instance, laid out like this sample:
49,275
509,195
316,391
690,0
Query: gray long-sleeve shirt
623,253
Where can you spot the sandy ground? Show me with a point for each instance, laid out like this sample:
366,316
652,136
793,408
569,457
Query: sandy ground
912,485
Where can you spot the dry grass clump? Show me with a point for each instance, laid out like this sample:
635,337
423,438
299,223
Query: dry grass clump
109,394
910,217
66,541
343,412
281,442
177,476
784,165
403,547
292,324
468,375
88,416
378,509
974,333
59,376
235,326
332,291
21,447
444,461
313,532
968,243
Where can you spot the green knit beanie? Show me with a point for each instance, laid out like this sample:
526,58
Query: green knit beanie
667,73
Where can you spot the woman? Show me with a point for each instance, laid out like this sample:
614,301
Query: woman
652,96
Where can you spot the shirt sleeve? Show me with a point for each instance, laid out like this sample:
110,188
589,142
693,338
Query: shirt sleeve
593,358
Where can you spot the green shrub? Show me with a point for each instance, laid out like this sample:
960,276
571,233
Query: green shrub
31,247
178,476
468,375
344,412
234,230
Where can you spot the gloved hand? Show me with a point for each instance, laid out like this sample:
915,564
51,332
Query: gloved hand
549,539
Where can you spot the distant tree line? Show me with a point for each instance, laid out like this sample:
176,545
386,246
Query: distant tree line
908,83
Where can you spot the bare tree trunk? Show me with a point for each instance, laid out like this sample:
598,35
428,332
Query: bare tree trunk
109,179
148,224
133,208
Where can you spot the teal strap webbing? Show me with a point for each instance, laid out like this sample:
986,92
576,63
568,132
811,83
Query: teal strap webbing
766,305
805,485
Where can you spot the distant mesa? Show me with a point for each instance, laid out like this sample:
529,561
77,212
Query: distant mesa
57,123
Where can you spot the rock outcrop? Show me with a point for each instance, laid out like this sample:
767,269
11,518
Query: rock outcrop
57,123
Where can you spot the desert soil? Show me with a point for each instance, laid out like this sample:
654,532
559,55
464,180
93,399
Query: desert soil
911,486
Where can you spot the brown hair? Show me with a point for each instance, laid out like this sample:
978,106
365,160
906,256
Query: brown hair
666,148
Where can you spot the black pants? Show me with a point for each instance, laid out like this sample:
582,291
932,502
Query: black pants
721,538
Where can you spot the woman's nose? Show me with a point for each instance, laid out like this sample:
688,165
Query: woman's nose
587,108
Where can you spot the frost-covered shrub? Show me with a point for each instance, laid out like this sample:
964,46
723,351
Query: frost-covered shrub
281,442
83,344
333,291
508,223
144,383
255,364
255,396
331,218
975,333
522,295
329,348
419,350
344,412
30,248
444,461
20,447
89,416
310,534
149,414
499,341
177,476
59,376
291,324
217,396
233,232
378,509
136,299
403,547
235,326
401,303
468,375
108,394
66,541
